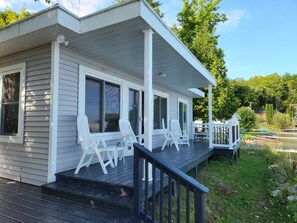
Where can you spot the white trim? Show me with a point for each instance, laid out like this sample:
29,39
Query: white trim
21,67
86,71
159,26
197,92
53,134
187,103
210,116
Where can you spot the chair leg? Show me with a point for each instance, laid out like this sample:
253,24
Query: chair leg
165,143
101,162
115,156
80,163
90,160
176,144
109,156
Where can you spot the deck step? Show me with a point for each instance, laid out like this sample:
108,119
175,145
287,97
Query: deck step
90,193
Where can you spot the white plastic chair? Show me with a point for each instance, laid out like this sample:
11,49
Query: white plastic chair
168,138
91,146
181,137
127,134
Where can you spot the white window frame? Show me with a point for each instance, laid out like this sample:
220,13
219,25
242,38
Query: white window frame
21,68
83,73
124,91
163,95
186,102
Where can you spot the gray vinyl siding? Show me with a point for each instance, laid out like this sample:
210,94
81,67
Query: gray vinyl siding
68,151
28,162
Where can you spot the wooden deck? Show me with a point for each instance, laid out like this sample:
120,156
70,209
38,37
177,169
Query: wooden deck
122,175
102,198
21,202
115,189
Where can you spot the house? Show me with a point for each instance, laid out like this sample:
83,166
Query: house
120,62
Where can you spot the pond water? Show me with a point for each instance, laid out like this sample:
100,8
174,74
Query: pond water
288,140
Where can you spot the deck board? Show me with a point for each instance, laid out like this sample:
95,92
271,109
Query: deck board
21,202
122,175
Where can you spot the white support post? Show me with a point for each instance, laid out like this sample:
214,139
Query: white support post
210,116
52,153
238,132
148,92
230,135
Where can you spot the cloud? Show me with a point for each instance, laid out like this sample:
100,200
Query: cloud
5,3
235,17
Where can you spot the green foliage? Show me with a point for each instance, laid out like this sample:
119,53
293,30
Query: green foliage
198,21
279,90
154,4
282,121
242,192
248,118
269,113
8,16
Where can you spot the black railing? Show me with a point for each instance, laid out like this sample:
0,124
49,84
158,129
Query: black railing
154,199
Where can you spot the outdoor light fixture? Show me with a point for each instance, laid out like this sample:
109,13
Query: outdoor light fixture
61,39
162,75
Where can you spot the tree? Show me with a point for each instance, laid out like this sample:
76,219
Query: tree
269,113
8,16
154,4
247,118
198,20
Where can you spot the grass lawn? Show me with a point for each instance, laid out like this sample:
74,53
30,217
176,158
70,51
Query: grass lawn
242,192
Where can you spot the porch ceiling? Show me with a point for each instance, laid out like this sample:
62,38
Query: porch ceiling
122,45
119,43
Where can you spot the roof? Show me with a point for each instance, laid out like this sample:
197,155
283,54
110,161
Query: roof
114,36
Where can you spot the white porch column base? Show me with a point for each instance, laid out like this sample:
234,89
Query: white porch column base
210,116
148,93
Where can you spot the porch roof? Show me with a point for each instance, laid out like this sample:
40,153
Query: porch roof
114,36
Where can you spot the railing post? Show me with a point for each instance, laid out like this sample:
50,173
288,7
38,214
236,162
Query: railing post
137,179
210,116
199,206
230,135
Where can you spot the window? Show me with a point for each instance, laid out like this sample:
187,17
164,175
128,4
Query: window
160,111
12,103
102,105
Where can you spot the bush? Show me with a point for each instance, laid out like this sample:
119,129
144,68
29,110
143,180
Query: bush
282,121
247,118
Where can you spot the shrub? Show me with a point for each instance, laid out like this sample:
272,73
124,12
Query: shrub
282,121
248,118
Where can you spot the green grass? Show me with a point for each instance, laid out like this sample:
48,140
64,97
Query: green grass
242,192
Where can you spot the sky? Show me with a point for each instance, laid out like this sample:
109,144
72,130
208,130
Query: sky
259,37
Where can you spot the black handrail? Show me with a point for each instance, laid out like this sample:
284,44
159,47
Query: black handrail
150,197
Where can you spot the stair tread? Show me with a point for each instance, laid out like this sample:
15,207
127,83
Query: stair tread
91,191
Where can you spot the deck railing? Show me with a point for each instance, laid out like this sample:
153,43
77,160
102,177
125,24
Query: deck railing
153,196
223,134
